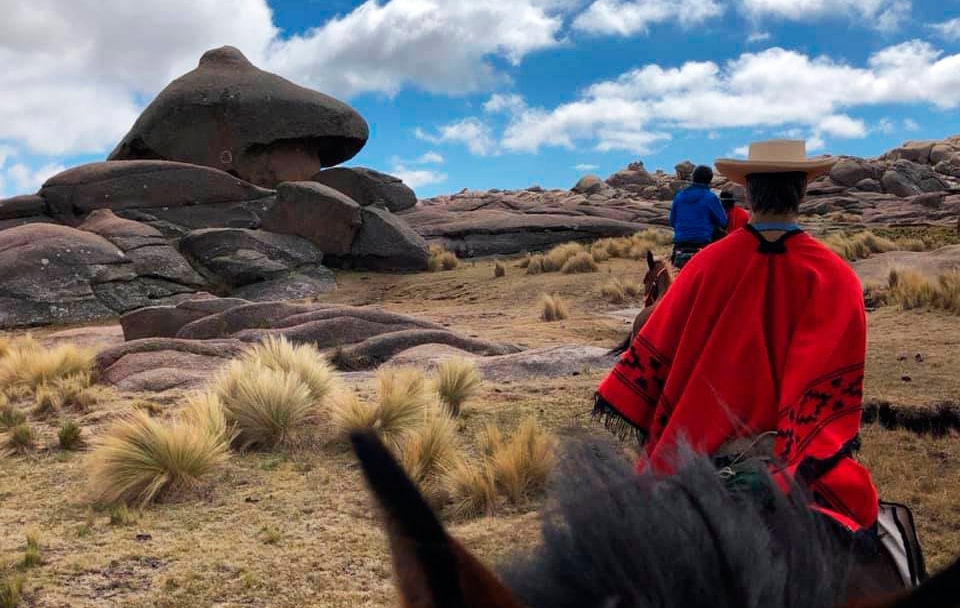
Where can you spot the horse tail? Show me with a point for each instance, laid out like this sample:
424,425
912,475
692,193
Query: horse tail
621,348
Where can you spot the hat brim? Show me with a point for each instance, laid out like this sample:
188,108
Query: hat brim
737,170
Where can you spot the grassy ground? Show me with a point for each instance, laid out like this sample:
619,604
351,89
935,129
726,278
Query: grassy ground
296,529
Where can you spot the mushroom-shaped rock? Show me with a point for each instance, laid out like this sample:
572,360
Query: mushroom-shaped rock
369,187
230,115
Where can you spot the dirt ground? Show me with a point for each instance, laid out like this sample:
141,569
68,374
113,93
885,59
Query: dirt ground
296,528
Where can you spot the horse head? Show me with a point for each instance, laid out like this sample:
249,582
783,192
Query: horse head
657,280
627,541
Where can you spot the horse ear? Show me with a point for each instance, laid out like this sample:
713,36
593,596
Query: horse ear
432,569
942,590
650,261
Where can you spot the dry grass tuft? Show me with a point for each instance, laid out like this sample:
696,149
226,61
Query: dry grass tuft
303,360
11,589
429,450
403,400
522,464
268,408
70,436
456,380
631,288
858,246
141,459
910,290
26,366
580,263
535,265
77,393
441,259
599,252
556,258
10,415
499,270
472,490
553,308
31,554
613,290
489,440
18,439
46,403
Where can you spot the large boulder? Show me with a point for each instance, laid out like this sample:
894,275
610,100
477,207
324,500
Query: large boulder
914,151
237,257
850,171
150,253
589,184
898,184
57,274
324,216
22,206
634,175
166,321
386,242
142,184
379,349
304,283
160,364
233,116
369,187
684,170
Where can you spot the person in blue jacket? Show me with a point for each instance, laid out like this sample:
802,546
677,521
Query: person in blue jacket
697,217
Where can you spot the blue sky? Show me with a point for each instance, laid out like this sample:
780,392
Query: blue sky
500,93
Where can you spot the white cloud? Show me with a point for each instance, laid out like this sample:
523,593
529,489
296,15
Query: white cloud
815,142
505,103
625,18
769,89
586,167
886,126
949,30
416,178
429,158
910,124
759,37
881,14
471,132
21,179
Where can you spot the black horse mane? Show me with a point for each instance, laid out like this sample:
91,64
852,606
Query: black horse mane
613,539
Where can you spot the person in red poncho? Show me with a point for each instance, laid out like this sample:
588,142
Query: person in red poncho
760,341
736,217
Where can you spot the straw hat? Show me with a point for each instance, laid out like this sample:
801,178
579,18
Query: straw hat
775,156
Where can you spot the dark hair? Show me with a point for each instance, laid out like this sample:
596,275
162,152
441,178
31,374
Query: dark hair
776,192
702,175
727,198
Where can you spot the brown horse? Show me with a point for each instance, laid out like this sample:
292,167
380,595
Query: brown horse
614,539
659,277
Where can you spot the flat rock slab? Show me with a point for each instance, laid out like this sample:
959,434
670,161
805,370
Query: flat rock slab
159,364
97,338
550,362
929,263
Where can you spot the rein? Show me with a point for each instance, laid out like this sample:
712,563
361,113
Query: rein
654,293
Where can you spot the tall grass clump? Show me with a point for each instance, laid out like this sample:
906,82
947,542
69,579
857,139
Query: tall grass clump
614,292
11,589
10,415
910,290
27,366
472,489
403,399
275,392
948,297
535,264
499,270
17,439
140,459
430,449
441,259
522,464
556,258
553,308
70,436
456,381
579,263
858,246
31,554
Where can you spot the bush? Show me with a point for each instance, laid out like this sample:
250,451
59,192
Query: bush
613,291
499,270
456,381
70,436
553,308
535,265
403,399
141,459
579,263
26,367
18,439
521,465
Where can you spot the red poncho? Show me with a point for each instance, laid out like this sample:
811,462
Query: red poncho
754,337
736,218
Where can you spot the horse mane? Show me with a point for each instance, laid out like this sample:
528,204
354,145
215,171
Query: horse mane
614,539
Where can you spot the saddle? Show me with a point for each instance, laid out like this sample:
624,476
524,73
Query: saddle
682,252
737,460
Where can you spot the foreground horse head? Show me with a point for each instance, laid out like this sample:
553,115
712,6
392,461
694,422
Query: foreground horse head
612,539
656,282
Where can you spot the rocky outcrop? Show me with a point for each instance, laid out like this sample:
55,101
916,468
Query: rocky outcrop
142,184
230,115
58,274
876,268
23,210
167,321
589,184
377,350
635,175
368,187
386,242
160,364
326,217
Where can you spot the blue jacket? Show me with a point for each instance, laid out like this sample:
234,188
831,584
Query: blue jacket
694,214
